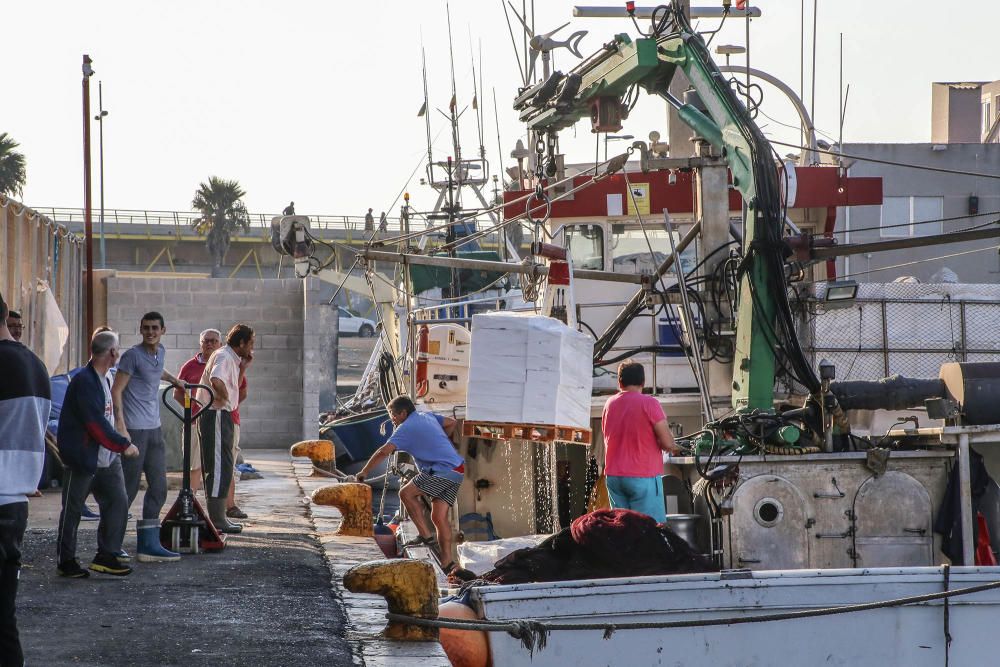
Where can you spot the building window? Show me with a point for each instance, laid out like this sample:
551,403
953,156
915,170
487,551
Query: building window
586,245
987,118
911,216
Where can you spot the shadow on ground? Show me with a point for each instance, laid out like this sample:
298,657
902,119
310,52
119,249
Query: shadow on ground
264,600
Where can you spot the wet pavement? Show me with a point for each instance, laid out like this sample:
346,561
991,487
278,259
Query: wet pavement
265,600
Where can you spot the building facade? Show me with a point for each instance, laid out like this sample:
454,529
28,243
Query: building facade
920,202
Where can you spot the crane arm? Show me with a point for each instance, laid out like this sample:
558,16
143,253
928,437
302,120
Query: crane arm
765,332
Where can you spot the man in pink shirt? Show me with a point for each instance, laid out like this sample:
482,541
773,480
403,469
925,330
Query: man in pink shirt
210,340
635,436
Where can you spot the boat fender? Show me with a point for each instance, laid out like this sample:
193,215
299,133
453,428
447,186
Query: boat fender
423,345
465,648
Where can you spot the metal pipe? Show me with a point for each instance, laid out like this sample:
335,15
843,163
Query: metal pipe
499,267
805,119
965,493
444,320
688,319
902,244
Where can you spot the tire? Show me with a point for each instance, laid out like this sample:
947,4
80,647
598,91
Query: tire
366,331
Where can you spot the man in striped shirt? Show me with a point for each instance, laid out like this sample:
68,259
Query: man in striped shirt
24,409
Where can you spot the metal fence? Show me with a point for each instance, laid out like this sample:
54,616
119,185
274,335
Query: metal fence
908,329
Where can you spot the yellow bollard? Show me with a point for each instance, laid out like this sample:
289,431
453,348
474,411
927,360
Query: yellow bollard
408,586
355,504
320,452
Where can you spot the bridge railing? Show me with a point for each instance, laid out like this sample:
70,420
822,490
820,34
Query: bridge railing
187,219
182,223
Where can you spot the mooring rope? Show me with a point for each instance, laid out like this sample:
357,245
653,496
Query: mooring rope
533,633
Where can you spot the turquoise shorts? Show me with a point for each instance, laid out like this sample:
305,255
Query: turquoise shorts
642,494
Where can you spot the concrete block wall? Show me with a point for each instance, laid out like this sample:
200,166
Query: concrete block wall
277,411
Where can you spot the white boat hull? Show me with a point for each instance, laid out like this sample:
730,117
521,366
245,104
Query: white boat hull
909,635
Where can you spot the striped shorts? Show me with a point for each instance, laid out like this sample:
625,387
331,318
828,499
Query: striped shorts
442,485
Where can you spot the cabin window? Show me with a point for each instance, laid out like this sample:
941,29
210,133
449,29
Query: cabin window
630,250
911,216
586,245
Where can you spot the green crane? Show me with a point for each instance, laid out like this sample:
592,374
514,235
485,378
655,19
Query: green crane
596,87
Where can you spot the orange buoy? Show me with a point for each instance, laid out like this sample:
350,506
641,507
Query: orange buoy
465,648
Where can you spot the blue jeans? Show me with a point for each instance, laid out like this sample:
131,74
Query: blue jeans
642,494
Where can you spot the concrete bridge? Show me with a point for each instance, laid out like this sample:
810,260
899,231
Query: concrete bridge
167,241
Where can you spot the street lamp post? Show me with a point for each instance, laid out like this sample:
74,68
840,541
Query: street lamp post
614,137
100,124
88,71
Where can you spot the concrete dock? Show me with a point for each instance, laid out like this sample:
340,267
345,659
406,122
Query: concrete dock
272,597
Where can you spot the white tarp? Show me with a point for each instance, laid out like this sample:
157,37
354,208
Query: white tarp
480,557
529,369
55,331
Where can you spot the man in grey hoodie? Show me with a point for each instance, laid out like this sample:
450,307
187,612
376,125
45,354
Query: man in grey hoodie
25,399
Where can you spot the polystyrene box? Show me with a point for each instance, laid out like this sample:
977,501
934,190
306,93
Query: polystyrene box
529,369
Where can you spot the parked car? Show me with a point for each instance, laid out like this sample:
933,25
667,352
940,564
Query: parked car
355,325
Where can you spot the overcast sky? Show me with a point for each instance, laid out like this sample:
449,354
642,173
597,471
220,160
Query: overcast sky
316,101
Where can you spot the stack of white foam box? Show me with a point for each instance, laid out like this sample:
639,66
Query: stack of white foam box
529,369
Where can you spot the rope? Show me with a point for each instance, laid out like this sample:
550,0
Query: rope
925,167
539,629
612,164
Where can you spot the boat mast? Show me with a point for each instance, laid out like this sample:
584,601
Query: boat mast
454,166
424,109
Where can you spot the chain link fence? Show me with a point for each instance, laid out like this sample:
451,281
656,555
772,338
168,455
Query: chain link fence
906,328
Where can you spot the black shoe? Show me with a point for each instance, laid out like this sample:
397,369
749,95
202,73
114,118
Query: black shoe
420,541
109,564
71,570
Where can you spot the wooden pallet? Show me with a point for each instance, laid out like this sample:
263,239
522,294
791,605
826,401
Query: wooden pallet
530,432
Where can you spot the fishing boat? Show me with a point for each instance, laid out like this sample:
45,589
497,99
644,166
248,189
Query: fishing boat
827,528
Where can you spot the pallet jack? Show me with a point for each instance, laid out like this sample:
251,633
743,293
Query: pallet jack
187,527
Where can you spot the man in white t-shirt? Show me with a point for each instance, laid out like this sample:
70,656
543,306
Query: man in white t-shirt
223,372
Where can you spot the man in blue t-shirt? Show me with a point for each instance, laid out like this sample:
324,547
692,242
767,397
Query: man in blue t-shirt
425,437
136,398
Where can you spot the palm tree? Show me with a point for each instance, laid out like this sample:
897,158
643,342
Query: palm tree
12,172
222,214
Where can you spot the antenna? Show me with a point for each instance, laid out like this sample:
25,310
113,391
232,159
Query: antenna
425,110
475,97
517,56
453,105
482,113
